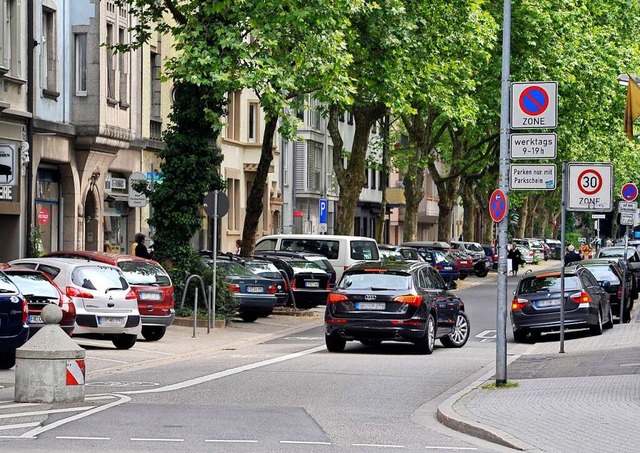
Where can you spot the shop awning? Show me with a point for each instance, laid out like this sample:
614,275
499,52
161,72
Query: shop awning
395,196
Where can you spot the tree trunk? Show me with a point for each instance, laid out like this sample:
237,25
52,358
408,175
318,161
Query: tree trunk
381,224
522,220
351,179
469,216
256,195
414,177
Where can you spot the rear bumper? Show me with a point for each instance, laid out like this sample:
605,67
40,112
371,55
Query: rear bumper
13,342
370,329
576,319
308,297
149,320
261,302
88,324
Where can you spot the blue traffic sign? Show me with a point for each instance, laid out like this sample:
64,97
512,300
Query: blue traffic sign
323,210
497,205
629,191
534,100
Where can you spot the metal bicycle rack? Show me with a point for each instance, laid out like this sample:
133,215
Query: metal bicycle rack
208,301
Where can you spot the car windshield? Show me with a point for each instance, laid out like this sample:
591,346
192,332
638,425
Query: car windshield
603,273
442,257
474,247
264,269
144,273
616,252
35,284
548,283
367,280
99,278
322,263
391,255
364,250
409,254
303,265
234,269
6,285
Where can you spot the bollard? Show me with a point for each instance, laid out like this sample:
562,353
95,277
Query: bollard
50,366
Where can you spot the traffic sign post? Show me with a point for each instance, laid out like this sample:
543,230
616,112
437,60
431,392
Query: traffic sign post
629,191
323,215
534,105
533,146
532,177
590,186
497,205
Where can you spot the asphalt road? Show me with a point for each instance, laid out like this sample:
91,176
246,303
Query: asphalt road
281,392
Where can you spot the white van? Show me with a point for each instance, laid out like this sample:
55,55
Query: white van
342,251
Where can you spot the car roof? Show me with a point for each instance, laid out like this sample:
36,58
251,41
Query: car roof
315,237
552,271
94,255
427,244
391,265
60,262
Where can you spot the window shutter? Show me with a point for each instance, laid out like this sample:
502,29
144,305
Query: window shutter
299,158
311,162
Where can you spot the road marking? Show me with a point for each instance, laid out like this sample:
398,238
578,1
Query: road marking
450,448
50,426
45,412
97,398
20,425
106,360
233,441
304,442
379,445
303,338
141,439
82,438
155,352
630,364
487,335
225,373
19,405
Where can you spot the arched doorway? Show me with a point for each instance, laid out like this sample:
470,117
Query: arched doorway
91,220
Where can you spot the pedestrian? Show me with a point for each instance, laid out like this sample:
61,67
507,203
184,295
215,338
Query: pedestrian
609,242
571,256
139,248
238,247
516,259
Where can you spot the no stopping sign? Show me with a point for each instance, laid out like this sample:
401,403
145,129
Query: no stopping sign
590,186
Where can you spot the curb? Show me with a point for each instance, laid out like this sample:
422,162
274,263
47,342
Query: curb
448,416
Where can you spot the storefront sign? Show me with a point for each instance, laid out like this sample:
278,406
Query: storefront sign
6,193
8,174
43,216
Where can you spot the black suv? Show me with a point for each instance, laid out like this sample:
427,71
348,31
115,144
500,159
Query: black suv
317,258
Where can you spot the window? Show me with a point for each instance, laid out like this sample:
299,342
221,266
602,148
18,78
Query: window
349,118
10,39
48,55
111,71
341,117
154,67
314,165
81,63
233,115
123,66
253,122
284,158
233,192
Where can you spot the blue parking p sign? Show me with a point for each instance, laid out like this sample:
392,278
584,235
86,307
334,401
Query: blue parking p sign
323,210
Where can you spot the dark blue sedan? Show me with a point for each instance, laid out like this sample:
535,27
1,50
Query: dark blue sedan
14,329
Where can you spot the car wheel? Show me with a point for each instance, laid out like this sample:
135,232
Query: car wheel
426,344
7,360
334,344
609,323
482,274
249,317
626,315
525,336
153,333
461,331
124,341
597,328
371,342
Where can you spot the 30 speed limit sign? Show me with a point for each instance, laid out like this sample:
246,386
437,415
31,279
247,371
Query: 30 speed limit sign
590,186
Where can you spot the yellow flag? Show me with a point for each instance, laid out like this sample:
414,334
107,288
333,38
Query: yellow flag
632,112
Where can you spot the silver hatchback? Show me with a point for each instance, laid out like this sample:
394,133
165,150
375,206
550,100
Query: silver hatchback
106,307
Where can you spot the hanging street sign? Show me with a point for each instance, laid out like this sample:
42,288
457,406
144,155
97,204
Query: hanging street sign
533,146
532,177
137,199
534,105
629,191
590,186
497,205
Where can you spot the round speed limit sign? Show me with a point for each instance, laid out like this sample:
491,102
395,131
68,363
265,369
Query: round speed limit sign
590,186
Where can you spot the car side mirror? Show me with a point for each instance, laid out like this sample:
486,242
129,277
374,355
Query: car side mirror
605,283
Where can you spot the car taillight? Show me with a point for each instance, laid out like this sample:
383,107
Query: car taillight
410,322
328,288
131,295
581,297
233,287
336,298
293,284
272,289
25,311
518,304
72,291
410,299
439,267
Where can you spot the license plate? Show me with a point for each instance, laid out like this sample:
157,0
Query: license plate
312,284
35,319
547,303
150,296
108,321
255,289
370,306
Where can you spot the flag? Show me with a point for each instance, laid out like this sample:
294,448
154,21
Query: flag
632,111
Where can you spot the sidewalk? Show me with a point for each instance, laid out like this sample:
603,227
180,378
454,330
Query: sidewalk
586,399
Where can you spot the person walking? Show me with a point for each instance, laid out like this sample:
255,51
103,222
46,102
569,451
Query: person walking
571,256
516,258
238,247
139,248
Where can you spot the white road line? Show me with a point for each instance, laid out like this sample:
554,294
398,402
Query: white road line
106,360
232,441
5,402
450,448
20,405
141,439
379,445
82,438
19,426
98,397
629,364
225,373
154,352
45,412
34,432
304,442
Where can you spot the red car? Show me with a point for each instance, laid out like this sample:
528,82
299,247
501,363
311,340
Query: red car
464,263
150,282
40,290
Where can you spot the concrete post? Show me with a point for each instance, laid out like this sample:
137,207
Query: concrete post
50,366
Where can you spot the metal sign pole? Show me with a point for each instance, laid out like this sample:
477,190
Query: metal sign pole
563,245
501,321
215,253
624,273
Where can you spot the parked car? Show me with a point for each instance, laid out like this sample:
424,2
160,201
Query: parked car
534,245
464,262
394,301
537,303
528,255
473,249
40,291
320,260
150,282
310,285
106,306
389,254
632,261
605,270
408,253
443,262
490,252
342,251
256,295
14,321
265,268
